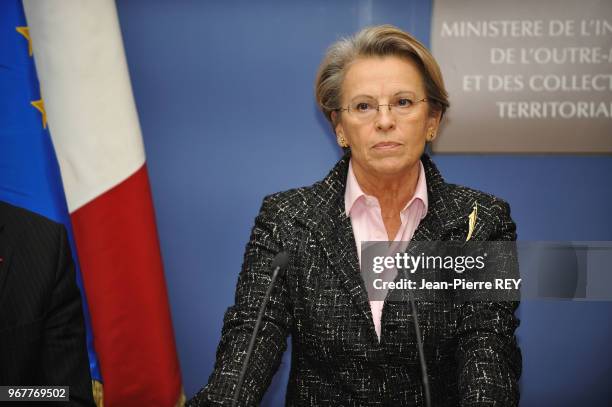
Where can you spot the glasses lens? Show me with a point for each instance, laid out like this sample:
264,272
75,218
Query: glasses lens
363,108
403,105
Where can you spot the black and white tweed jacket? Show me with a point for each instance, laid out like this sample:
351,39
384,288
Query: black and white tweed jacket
337,360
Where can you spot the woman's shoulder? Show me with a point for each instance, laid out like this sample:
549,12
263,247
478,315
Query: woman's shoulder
454,196
461,195
294,202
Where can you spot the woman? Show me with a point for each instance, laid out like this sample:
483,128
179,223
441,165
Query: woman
383,93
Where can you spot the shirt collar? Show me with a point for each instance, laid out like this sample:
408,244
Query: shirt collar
353,191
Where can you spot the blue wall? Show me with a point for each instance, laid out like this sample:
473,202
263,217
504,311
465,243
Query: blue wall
225,96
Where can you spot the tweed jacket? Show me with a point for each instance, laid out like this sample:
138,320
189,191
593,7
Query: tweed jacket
321,301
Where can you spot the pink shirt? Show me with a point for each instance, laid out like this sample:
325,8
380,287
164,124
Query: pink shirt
366,219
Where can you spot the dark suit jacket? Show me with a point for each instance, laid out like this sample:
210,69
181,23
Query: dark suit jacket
472,355
42,334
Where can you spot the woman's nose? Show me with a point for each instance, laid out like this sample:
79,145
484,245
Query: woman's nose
385,119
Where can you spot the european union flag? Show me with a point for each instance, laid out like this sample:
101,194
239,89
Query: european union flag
29,173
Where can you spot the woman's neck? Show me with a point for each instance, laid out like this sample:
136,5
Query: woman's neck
391,191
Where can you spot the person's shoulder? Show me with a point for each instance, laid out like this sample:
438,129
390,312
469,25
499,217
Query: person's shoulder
455,197
25,225
295,201
462,195
314,197
18,216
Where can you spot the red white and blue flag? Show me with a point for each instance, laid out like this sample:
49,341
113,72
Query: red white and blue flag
96,138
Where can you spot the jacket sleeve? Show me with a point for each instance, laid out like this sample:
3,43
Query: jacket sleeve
64,359
489,359
239,322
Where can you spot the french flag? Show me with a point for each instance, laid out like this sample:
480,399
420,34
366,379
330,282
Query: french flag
94,127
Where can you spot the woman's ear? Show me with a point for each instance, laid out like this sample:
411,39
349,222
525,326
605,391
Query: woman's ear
339,130
433,124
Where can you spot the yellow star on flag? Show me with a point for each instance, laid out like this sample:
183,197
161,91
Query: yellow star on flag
40,106
25,31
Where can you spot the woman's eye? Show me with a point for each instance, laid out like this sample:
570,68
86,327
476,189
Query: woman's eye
404,102
363,106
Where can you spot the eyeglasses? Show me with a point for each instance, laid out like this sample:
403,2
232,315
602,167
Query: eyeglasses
365,109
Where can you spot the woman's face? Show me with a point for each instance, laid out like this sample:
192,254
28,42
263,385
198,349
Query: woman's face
388,143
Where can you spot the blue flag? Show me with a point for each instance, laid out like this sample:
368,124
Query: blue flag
29,172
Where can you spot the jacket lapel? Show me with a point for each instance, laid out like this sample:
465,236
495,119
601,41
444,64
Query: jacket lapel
339,245
328,220
441,218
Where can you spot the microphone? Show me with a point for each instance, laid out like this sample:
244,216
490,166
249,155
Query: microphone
422,361
279,264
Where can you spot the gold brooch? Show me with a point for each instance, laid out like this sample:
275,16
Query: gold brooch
472,217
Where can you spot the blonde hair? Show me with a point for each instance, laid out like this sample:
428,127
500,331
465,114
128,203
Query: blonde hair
380,41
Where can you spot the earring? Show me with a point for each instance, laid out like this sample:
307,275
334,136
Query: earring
342,141
430,136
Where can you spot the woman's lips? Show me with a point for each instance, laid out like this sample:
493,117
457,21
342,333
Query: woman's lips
386,145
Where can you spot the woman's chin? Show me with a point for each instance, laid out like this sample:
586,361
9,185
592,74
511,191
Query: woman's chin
391,166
